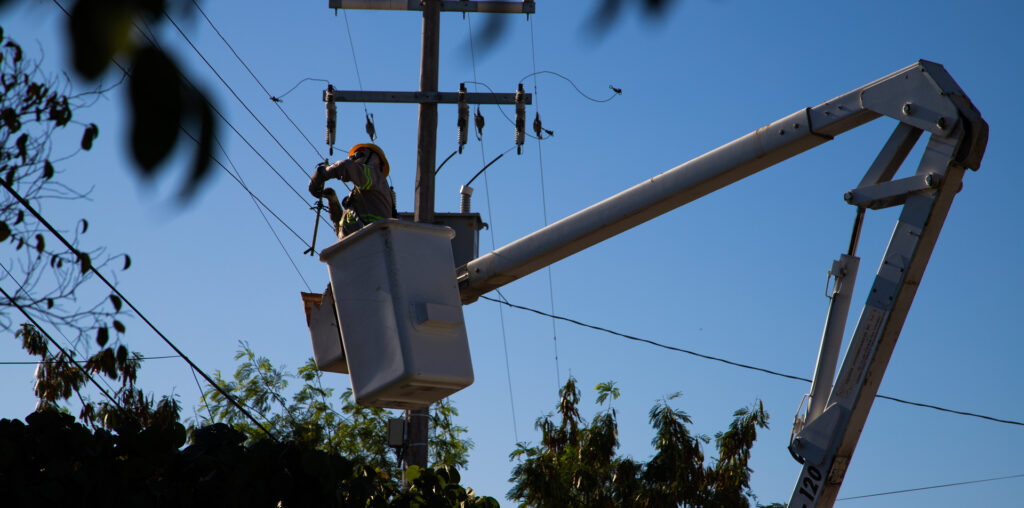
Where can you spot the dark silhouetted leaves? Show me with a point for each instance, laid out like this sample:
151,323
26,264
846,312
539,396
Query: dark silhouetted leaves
200,112
99,28
59,111
119,326
102,336
17,50
49,303
127,262
89,135
22,145
157,107
40,244
116,302
86,262
10,119
5,231
85,226
47,170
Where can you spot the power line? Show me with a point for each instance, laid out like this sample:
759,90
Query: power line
260,210
544,201
21,289
301,81
135,309
615,91
260,83
743,365
931,487
152,39
490,215
355,63
59,347
140,358
223,118
232,90
251,194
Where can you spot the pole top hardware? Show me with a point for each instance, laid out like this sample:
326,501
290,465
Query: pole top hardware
491,6
427,97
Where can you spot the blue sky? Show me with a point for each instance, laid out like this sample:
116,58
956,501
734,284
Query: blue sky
739,274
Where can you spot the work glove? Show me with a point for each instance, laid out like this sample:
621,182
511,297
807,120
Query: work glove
316,182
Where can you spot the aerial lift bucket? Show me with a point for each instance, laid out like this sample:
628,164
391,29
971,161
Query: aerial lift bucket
393,318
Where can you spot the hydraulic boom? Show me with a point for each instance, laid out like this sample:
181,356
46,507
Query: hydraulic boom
922,98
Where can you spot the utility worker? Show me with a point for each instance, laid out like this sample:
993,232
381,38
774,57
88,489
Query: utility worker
371,198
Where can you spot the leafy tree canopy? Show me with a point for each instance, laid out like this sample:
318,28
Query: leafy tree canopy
576,463
310,417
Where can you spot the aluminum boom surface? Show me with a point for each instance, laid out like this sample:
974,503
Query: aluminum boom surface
920,104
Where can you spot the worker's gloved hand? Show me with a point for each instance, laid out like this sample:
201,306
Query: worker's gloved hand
316,182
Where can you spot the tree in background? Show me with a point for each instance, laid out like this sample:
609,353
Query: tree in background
42,275
309,417
576,463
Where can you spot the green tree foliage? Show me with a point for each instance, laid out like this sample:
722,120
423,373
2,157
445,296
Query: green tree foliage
309,416
576,462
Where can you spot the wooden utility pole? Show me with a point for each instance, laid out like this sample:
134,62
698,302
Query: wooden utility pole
428,97
426,145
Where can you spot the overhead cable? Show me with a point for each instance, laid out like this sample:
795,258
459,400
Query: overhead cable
273,99
479,120
59,347
224,119
251,194
290,90
537,128
232,90
615,91
140,358
260,210
742,365
135,309
931,487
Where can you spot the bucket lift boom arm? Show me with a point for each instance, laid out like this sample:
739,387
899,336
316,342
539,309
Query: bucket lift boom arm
923,97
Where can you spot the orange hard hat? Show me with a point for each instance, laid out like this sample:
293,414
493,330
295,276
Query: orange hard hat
384,167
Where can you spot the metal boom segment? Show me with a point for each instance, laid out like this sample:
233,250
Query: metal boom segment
922,97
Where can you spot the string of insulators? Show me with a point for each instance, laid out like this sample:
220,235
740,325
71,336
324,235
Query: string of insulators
463,123
520,118
332,117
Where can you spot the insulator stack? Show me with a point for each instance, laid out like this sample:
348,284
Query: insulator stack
332,117
463,117
465,194
520,118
